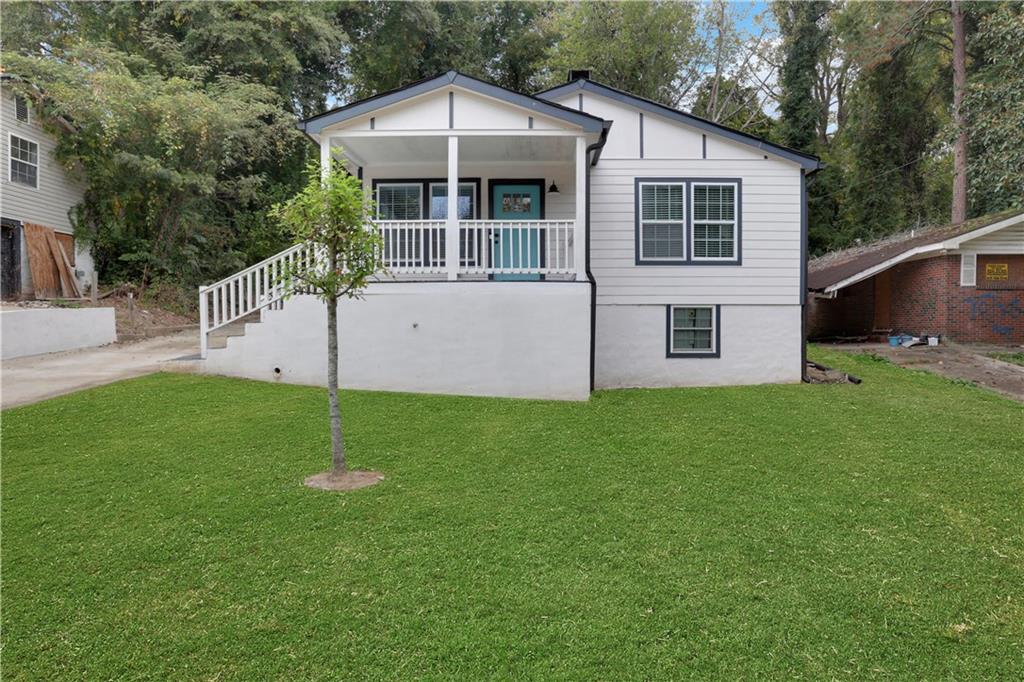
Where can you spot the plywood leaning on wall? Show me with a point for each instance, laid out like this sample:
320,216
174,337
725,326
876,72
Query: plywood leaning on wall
52,273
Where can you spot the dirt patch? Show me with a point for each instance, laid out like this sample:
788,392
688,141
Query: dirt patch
350,480
971,363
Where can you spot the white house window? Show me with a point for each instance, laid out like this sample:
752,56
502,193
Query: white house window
21,108
661,228
439,200
24,161
713,219
692,331
400,201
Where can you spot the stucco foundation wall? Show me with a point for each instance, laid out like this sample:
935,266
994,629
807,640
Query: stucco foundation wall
759,344
48,330
511,339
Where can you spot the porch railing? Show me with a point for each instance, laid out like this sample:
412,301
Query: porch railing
516,246
247,291
413,246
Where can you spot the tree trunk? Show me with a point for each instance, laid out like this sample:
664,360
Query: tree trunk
337,441
959,212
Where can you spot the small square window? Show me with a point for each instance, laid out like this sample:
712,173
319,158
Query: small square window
692,331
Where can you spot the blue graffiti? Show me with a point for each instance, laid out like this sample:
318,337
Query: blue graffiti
985,306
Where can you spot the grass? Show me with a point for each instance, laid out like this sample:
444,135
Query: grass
1015,358
158,528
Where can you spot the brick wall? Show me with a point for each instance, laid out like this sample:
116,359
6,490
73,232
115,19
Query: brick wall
926,298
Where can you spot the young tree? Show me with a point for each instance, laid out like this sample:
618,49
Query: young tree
332,214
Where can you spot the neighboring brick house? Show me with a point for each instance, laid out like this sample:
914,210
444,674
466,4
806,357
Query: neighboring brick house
965,282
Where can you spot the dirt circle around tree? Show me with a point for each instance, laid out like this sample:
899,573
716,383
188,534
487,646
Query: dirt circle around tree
350,480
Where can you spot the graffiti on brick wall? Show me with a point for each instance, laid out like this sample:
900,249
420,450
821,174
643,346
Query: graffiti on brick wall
987,308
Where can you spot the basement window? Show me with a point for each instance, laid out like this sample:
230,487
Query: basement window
693,331
24,162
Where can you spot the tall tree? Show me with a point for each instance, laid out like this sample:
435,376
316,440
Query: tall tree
994,107
803,42
959,212
646,48
331,214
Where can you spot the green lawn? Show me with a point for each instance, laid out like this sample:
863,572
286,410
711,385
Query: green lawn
158,528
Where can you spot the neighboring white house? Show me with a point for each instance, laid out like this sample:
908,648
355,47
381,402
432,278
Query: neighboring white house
596,240
35,188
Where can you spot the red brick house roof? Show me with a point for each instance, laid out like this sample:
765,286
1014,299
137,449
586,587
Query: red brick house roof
859,262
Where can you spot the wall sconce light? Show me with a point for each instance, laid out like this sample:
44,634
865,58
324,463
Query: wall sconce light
553,189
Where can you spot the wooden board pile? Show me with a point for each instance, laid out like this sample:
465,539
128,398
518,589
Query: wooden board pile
53,275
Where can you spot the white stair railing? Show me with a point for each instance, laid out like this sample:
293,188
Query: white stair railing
245,292
516,246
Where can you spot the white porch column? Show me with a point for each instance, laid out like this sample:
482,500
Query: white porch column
451,228
325,155
579,251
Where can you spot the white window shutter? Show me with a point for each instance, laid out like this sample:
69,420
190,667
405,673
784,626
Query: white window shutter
968,269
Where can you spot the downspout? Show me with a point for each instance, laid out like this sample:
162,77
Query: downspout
596,147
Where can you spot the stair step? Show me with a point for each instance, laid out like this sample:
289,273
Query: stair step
219,337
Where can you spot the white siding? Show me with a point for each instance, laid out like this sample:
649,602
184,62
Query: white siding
770,214
1008,240
770,235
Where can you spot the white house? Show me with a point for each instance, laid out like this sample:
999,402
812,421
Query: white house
596,240
35,188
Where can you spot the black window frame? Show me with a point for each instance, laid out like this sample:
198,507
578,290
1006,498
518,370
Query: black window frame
688,233
716,335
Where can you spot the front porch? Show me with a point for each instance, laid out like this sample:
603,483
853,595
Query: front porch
519,212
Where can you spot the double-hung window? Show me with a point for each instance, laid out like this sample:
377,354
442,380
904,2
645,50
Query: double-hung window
24,161
713,219
688,221
400,201
692,331
661,221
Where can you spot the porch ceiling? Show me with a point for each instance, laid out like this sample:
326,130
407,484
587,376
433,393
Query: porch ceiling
366,151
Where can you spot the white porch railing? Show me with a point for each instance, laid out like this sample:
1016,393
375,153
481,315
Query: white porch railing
516,247
413,246
247,291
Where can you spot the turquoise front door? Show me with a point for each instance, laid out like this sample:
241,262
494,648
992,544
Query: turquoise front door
516,247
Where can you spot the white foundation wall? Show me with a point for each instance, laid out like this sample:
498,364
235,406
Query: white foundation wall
760,344
33,331
509,339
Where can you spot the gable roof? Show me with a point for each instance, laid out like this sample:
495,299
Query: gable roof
314,124
806,161
839,269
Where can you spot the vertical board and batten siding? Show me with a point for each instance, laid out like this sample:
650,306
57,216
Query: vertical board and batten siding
770,214
49,204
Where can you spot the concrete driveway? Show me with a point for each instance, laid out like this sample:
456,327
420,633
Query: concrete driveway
31,379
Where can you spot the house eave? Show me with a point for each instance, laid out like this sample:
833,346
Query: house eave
587,122
808,162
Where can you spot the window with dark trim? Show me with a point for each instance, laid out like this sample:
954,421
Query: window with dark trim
439,200
661,224
713,216
400,201
693,331
688,221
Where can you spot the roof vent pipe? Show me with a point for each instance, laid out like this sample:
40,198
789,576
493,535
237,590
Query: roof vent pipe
579,74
